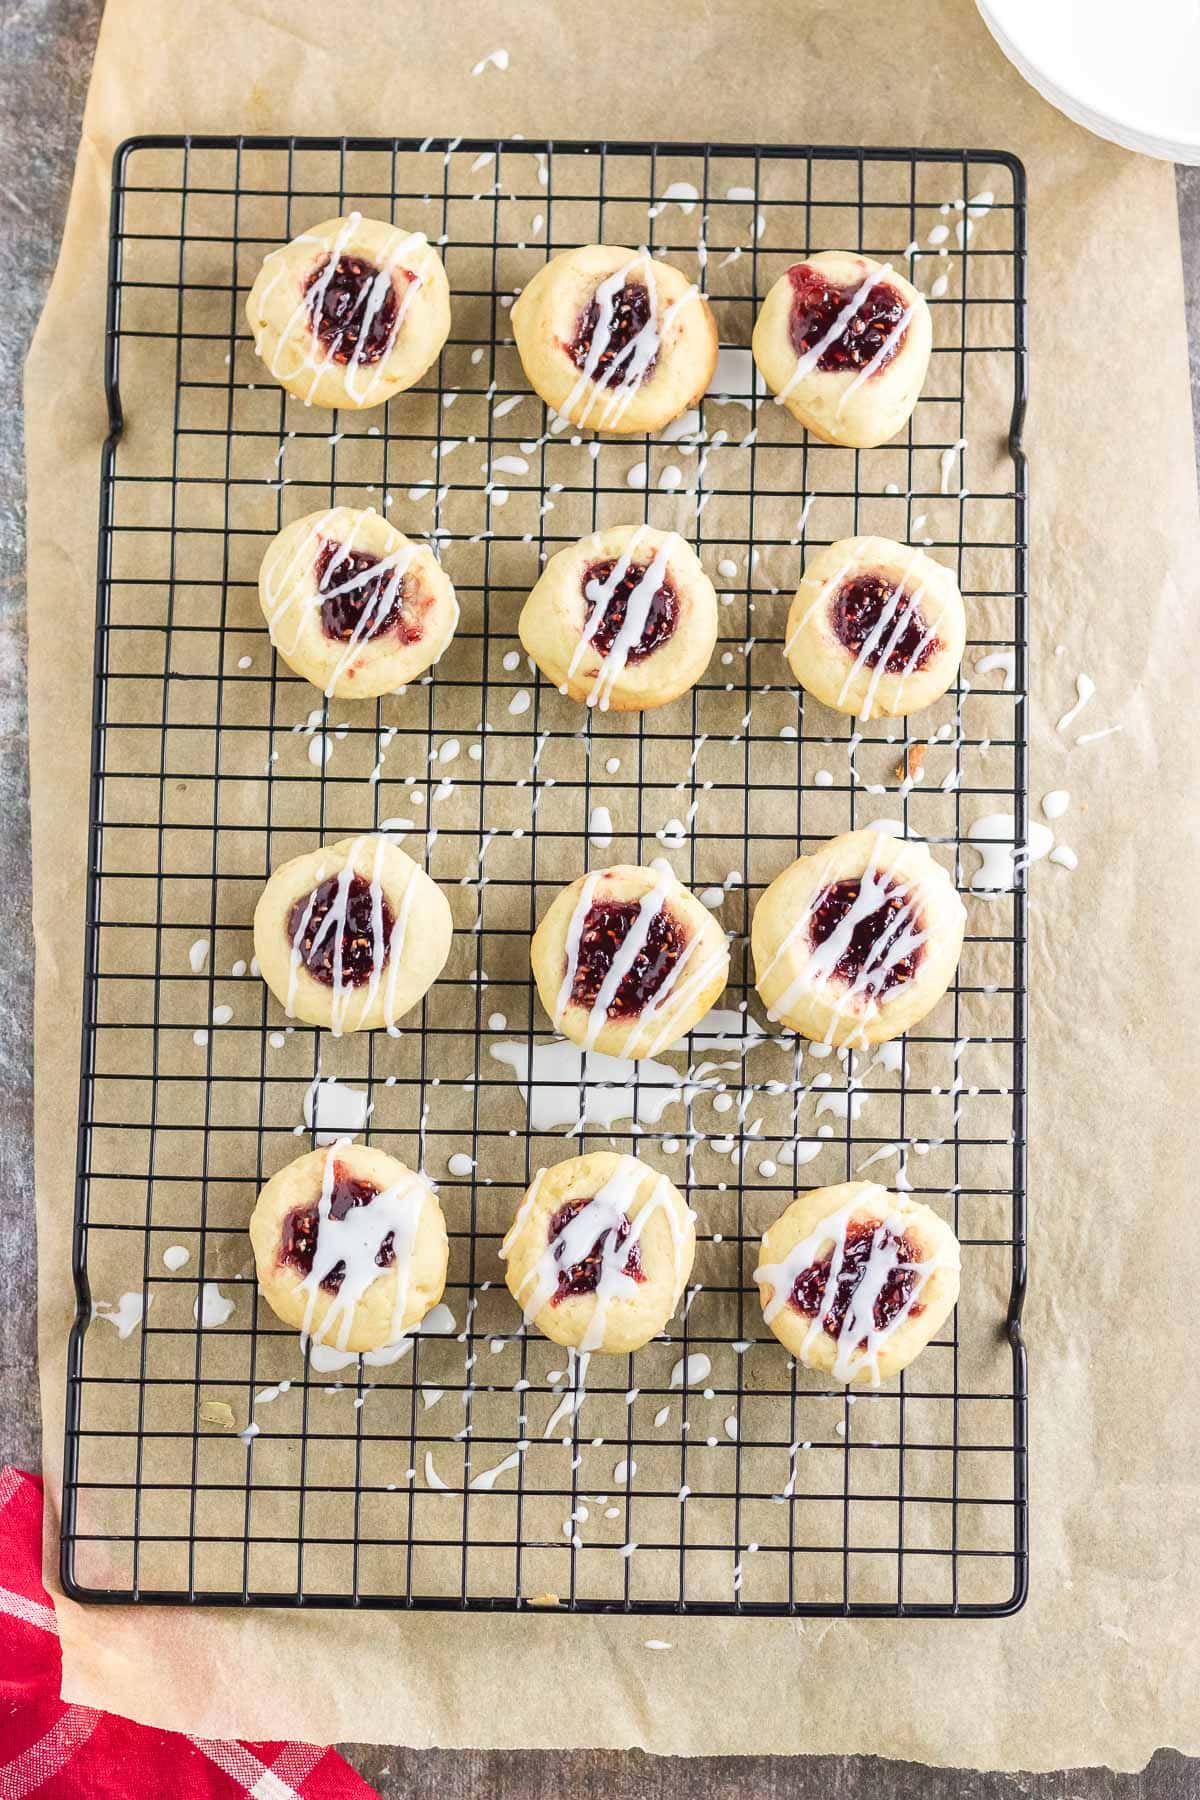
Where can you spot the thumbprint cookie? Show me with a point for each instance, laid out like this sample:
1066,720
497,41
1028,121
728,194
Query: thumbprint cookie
876,629
855,1281
350,1247
352,935
855,944
350,312
626,961
599,1252
353,605
625,619
843,343
615,340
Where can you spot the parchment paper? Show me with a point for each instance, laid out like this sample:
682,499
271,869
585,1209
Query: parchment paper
1101,1666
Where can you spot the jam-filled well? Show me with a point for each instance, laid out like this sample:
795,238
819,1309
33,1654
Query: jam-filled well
870,956
662,615
605,929
313,932
583,1277
862,1236
816,303
298,1246
353,310
346,590
859,605
628,313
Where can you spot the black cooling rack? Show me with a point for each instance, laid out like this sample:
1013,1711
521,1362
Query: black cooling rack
760,1491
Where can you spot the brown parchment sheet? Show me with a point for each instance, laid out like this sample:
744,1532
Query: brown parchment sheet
1100,1666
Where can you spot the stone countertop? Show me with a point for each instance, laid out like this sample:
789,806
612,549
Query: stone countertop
46,51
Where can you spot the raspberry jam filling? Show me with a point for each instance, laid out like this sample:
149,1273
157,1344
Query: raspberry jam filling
857,608
345,596
809,1291
300,1227
583,1277
605,929
870,955
817,302
661,618
316,936
628,313
341,304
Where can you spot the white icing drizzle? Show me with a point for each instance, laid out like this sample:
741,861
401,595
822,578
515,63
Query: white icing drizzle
487,1478
1085,688
809,358
682,193
563,1085
1092,737
574,935
361,378
900,606
1006,660
522,1213
650,906
696,982
335,1110
211,1307
633,359
355,1240
900,937
691,1371
575,1394
884,351
830,587
1001,858
334,924
596,1226
127,1314
859,1340
395,949
946,462
637,611
286,589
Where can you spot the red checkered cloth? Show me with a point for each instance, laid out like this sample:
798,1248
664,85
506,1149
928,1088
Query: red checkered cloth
47,1747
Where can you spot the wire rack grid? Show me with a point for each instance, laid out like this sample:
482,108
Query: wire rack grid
205,1460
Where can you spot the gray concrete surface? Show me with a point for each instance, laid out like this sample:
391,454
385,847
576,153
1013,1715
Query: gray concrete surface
46,50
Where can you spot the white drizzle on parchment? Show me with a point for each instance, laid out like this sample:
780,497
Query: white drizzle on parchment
127,1314
564,1085
334,1109
1001,857
211,1308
